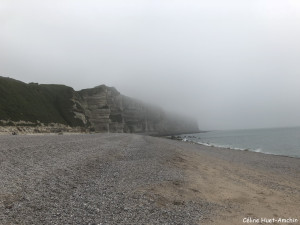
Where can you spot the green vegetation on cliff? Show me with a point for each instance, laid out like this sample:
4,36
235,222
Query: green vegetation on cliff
32,102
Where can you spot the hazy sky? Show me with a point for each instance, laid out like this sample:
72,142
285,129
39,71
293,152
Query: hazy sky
231,64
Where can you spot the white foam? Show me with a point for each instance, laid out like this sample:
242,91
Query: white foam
226,147
257,150
205,144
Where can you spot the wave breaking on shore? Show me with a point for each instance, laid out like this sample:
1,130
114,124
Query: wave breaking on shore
258,150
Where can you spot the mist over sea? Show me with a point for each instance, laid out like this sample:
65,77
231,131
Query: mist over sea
277,141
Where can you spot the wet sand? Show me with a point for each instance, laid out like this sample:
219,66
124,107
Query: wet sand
135,179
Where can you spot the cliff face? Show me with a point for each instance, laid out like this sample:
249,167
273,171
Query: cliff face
102,109
109,111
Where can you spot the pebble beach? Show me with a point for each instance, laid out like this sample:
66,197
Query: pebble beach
136,179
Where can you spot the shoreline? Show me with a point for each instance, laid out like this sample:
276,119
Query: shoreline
247,150
178,138
169,136
138,179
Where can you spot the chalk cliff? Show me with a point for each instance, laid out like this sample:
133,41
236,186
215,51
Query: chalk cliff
100,109
107,110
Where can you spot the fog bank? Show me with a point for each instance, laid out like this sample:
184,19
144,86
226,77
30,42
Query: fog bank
230,64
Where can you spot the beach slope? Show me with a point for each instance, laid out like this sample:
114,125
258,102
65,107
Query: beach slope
135,179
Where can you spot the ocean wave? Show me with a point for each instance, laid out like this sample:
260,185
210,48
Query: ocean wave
227,147
258,150
243,149
251,142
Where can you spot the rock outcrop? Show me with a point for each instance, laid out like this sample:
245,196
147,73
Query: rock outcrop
100,109
109,111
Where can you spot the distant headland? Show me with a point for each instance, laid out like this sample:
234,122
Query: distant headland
52,108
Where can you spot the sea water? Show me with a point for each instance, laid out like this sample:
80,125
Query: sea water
276,141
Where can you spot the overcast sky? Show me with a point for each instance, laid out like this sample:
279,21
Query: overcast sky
230,64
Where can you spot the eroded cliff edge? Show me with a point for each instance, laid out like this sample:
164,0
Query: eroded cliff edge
108,110
100,109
